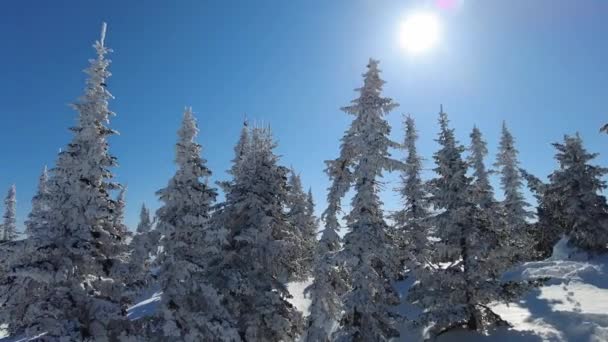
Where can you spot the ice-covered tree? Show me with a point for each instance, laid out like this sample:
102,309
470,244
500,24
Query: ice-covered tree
119,211
482,190
301,216
9,225
240,150
256,257
412,222
368,254
547,230
70,283
145,223
455,293
514,204
191,308
575,191
37,219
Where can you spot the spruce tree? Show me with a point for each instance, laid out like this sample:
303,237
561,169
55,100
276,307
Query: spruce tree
482,190
37,220
70,283
412,222
302,219
368,253
255,260
456,293
514,204
574,191
145,223
10,212
191,308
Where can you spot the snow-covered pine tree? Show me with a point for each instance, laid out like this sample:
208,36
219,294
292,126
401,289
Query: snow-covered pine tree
368,254
38,217
514,204
70,283
547,230
255,260
456,293
483,192
303,221
119,212
143,247
240,150
575,189
9,226
329,280
412,222
145,223
191,309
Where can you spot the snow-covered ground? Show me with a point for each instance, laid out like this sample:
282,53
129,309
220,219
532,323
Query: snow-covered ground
572,306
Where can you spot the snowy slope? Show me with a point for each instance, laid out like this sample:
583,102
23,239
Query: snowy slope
572,306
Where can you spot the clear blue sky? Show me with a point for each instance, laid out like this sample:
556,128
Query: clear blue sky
541,65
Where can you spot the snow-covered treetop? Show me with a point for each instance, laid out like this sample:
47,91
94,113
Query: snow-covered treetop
145,224
370,98
449,189
510,179
10,213
483,191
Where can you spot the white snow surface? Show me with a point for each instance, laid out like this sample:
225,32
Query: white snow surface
572,306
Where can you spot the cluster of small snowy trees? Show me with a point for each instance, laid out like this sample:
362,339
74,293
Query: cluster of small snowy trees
223,266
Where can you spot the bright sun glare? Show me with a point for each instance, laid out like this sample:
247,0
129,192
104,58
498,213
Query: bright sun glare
419,32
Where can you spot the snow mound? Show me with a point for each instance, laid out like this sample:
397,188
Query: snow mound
572,306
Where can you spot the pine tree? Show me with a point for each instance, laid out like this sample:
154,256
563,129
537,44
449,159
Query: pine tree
511,182
578,207
70,283
143,246
547,230
240,150
190,308
412,222
456,293
301,217
38,218
10,213
482,190
145,223
255,259
368,254
119,211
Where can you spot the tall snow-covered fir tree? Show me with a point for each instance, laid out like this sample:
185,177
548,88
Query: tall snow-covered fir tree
483,192
191,308
9,225
256,257
38,217
119,211
70,283
412,222
329,280
511,182
145,223
578,207
301,217
143,246
456,293
368,254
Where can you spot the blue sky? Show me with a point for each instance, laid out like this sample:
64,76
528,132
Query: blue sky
540,65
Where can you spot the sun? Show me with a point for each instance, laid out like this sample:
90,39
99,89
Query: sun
419,32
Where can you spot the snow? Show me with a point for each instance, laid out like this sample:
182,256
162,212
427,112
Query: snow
572,306
299,300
